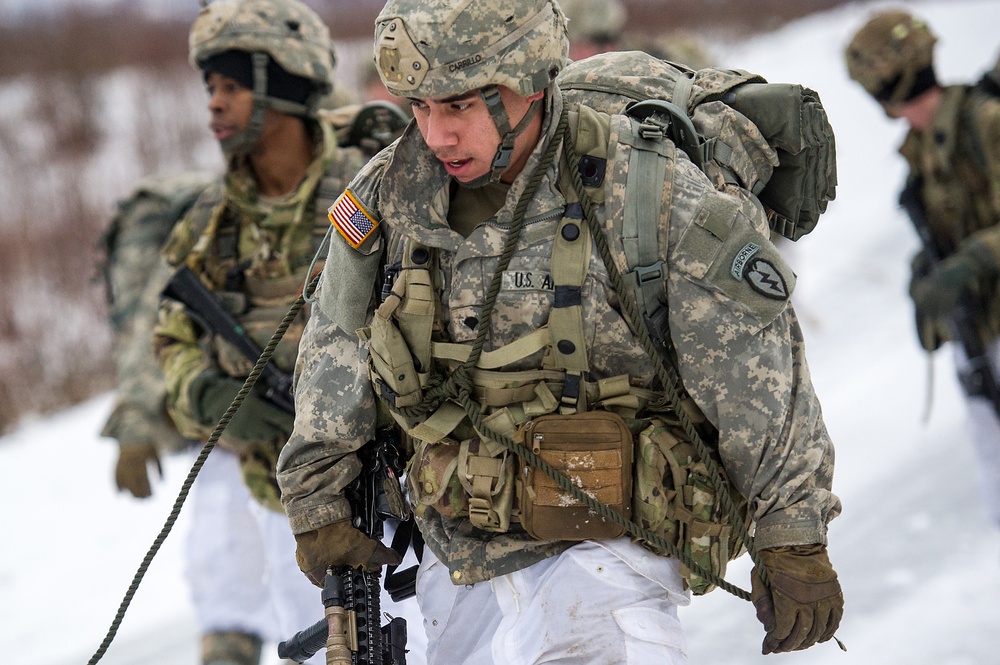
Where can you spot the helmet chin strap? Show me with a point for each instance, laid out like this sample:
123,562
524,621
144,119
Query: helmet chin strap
505,151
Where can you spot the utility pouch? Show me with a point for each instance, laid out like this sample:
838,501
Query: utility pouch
432,481
471,479
592,449
674,498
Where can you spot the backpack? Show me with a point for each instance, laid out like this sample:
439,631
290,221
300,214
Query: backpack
773,140
144,219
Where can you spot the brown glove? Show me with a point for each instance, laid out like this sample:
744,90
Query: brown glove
131,472
339,544
805,602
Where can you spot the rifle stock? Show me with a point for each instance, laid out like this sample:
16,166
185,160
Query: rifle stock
978,379
186,288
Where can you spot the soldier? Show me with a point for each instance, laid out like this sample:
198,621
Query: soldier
598,26
954,179
229,594
484,318
250,238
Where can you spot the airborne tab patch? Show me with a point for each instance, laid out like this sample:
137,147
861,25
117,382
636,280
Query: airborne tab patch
349,218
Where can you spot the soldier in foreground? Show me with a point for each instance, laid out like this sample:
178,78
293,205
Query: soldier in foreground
471,308
952,194
249,240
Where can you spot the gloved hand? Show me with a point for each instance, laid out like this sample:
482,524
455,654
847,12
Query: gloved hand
340,544
928,332
938,292
257,420
131,472
805,602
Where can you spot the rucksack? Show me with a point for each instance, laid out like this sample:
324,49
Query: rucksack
773,140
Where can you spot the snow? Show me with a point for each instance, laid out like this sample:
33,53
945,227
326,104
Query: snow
919,561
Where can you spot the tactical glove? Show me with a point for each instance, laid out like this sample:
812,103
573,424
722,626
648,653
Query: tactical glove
131,472
340,544
804,604
938,292
257,419
928,332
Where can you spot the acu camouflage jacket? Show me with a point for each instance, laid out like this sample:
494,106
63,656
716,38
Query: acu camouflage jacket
741,356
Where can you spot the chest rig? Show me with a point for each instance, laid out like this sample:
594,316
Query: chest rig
257,255
411,357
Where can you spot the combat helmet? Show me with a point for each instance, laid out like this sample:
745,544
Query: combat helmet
430,49
892,57
280,47
597,21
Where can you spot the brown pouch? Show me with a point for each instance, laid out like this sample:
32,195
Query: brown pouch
593,450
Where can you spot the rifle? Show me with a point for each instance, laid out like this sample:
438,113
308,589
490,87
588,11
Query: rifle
978,379
186,288
351,595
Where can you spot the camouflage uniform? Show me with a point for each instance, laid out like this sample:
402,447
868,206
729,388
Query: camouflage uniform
956,160
740,353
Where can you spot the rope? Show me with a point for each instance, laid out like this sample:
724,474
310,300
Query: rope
248,385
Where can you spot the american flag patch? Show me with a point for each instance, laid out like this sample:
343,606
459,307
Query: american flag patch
351,220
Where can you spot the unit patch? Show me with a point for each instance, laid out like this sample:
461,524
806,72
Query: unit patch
766,280
351,220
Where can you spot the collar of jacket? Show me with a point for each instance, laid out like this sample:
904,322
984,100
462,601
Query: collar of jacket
415,192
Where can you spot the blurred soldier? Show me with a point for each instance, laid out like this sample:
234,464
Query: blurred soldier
598,26
249,239
474,303
229,593
953,189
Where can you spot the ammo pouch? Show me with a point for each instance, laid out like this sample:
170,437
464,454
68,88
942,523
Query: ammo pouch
674,499
592,449
472,478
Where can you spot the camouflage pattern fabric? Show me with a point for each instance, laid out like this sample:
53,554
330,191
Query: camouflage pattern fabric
438,51
888,53
958,158
741,358
255,256
135,274
594,20
287,30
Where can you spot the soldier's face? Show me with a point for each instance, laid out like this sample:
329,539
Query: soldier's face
230,104
461,132
919,112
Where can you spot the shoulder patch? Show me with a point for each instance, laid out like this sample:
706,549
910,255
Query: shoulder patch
764,278
351,220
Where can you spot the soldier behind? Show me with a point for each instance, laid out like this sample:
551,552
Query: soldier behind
229,594
250,238
431,273
953,153
598,26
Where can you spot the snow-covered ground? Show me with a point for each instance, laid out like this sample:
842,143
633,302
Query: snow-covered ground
919,562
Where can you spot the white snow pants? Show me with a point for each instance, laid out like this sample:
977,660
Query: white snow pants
241,561
984,429
597,603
